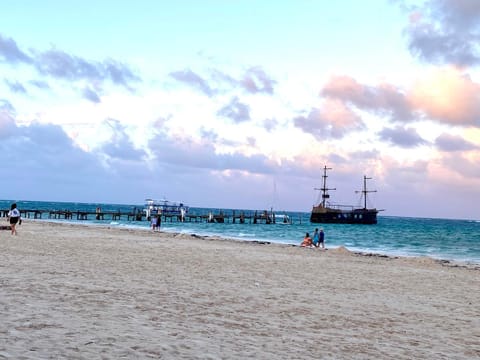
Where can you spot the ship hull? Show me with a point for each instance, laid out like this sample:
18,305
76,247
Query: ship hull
334,216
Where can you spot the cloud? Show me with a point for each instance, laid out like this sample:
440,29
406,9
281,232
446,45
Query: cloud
446,95
64,172
45,150
270,124
46,165
453,176
235,110
449,96
462,168
403,137
208,134
257,81
120,146
186,152
6,107
61,65
383,99
7,122
254,80
91,95
333,119
10,52
192,79
16,87
118,72
451,143
40,84
446,32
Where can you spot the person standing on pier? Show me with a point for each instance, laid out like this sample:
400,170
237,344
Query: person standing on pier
98,212
14,218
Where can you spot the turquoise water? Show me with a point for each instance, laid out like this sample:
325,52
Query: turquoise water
457,240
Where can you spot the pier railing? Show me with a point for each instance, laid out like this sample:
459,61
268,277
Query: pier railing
221,216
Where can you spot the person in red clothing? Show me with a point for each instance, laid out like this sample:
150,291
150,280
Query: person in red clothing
307,241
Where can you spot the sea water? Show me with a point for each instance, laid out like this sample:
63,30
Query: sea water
447,239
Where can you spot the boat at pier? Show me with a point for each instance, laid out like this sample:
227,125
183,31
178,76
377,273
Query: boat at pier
164,207
282,219
327,212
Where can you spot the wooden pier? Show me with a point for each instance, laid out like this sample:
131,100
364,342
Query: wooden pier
76,214
219,216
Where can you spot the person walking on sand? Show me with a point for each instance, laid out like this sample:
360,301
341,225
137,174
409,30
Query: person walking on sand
14,217
159,221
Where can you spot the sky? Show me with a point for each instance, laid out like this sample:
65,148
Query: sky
241,103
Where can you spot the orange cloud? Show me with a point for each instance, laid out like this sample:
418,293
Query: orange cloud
333,119
447,95
383,99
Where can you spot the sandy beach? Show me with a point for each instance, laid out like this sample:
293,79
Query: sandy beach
82,292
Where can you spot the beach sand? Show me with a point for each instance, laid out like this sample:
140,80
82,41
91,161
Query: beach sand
84,292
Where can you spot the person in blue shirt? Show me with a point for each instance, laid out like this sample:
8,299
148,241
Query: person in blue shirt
315,238
321,239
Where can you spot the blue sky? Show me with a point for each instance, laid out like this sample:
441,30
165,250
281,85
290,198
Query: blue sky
241,103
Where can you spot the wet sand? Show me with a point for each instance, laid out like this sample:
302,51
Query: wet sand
82,292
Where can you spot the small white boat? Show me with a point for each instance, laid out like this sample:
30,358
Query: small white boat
282,219
164,207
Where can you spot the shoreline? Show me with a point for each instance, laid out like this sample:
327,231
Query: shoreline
443,261
77,291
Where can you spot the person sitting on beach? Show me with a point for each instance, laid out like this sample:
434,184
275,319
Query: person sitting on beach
307,241
14,218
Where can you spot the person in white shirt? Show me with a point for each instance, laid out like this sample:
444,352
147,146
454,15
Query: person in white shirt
14,218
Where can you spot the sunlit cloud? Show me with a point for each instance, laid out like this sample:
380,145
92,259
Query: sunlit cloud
450,143
332,119
447,95
383,99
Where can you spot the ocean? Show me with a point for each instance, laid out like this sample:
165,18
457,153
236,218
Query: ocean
443,239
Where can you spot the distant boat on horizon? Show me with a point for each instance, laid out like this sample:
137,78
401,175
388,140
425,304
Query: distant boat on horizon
326,212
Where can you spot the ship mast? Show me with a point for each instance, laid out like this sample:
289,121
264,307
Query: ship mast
324,188
365,191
